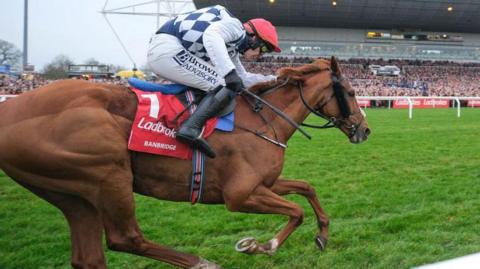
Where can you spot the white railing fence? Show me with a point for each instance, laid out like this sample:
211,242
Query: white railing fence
5,97
412,101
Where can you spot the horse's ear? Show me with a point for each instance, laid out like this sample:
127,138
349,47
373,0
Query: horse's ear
335,66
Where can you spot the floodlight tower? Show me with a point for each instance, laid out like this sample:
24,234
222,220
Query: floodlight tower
157,8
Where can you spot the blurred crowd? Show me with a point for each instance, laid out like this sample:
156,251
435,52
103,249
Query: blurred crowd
417,78
14,85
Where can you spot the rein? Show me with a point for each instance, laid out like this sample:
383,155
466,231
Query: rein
332,122
278,112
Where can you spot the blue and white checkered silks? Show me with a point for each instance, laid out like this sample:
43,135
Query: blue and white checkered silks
189,28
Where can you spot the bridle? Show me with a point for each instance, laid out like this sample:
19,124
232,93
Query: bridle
338,93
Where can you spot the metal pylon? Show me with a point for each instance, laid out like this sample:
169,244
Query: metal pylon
156,8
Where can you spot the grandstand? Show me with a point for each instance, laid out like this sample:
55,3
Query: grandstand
434,44
388,29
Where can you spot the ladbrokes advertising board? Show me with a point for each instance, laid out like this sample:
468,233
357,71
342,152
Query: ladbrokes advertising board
363,102
473,103
422,103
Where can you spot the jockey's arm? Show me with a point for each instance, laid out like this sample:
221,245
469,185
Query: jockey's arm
248,78
216,36
214,39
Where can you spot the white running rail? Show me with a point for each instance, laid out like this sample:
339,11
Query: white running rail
410,100
5,97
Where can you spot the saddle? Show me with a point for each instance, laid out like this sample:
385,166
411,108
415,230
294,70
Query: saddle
161,109
178,90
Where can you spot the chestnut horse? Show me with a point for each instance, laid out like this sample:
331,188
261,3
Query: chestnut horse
67,143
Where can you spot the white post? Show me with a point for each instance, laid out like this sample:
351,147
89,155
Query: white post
410,107
458,106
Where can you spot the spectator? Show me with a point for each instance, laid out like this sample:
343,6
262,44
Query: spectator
418,78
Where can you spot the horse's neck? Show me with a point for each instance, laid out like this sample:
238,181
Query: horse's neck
286,99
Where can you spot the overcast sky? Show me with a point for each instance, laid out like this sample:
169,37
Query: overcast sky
77,29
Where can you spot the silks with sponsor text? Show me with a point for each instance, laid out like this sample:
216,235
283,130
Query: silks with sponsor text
154,129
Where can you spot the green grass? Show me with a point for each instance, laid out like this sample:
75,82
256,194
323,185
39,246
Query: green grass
408,196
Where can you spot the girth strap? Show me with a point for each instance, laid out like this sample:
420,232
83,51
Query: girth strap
198,159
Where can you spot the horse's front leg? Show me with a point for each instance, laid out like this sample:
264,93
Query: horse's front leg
285,186
262,200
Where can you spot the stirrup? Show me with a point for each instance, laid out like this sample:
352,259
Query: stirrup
197,142
204,147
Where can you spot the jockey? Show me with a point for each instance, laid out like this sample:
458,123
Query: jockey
201,50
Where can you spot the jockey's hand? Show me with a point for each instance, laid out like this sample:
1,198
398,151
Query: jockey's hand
234,82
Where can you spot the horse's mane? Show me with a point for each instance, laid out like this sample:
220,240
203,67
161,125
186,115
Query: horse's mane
294,74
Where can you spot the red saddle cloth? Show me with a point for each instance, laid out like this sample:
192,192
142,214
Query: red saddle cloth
154,130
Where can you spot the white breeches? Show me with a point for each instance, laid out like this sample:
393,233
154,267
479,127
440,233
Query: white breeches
170,60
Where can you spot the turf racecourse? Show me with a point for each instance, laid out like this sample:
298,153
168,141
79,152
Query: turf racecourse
408,196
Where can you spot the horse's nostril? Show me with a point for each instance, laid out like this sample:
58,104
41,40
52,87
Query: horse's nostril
367,132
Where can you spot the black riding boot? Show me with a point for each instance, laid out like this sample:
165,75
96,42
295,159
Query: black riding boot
191,130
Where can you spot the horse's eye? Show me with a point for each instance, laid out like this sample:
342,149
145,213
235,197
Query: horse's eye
352,94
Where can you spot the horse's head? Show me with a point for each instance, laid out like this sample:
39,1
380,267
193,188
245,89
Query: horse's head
328,94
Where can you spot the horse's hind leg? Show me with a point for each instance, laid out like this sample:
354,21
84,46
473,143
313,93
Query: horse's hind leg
123,233
85,227
284,187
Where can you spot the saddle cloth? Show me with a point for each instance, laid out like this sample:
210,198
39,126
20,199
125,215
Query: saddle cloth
154,128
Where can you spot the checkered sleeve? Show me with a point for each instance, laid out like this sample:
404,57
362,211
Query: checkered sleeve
216,36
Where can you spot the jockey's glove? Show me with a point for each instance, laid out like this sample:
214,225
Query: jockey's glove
234,82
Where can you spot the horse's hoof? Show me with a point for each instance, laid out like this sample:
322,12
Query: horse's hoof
321,242
247,245
270,248
204,264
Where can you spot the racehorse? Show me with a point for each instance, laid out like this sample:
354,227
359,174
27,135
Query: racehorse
67,143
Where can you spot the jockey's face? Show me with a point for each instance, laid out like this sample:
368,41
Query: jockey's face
252,54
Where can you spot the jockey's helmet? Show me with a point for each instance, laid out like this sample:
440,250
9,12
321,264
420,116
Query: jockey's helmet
266,34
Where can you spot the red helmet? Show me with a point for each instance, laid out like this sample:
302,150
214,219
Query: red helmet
264,30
